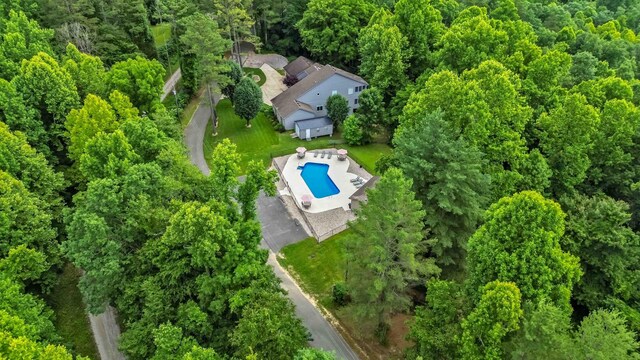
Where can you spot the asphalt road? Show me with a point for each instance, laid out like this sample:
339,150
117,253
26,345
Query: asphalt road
106,333
170,84
194,136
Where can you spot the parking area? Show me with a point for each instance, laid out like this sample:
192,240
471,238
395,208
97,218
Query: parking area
279,229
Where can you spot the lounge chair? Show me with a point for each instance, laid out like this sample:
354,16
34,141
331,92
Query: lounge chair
329,157
322,155
358,183
357,178
315,154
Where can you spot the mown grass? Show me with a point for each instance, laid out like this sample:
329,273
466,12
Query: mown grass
261,142
318,266
161,34
258,72
72,322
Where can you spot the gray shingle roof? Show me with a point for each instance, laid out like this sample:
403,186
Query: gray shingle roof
298,65
286,103
313,123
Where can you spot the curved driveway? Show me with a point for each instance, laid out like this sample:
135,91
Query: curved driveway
278,229
194,136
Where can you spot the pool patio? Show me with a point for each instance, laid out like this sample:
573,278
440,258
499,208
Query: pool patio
326,216
338,172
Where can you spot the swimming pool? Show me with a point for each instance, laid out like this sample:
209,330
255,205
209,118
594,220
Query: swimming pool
316,176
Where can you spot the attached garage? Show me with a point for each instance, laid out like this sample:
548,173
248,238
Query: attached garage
312,128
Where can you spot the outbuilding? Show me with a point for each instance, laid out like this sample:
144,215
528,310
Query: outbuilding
312,128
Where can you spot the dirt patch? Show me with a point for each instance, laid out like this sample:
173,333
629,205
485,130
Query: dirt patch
363,336
256,78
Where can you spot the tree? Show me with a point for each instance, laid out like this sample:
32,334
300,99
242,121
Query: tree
566,135
48,90
485,106
257,179
599,234
21,38
497,314
24,221
436,329
22,162
140,79
545,333
87,71
383,61
448,178
83,124
520,242
202,40
279,335
107,155
603,335
384,251
234,19
248,99
611,155
235,75
329,29
224,171
337,108
354,130
421,23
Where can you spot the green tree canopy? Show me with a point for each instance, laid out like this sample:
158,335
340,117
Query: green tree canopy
384,252
448,178
140,79
337,108
520,242
329,29
497,314
20,38
247,99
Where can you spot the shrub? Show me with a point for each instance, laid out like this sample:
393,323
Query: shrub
352,130
340,294
337,108
290,80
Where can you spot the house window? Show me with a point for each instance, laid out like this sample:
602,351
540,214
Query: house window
350,91
319,108
355,101
334,92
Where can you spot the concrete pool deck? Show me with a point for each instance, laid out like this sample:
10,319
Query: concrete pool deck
338,172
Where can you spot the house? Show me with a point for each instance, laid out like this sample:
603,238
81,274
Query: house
305,101
360,196
301,67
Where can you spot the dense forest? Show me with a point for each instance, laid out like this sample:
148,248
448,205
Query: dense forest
507,218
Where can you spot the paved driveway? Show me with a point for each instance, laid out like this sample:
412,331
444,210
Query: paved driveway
273,86
278,228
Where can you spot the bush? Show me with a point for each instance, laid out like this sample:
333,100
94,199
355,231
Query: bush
382,333
352,130
290,80
337,108
340,294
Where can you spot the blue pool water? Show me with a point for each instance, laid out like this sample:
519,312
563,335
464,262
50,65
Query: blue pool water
317,178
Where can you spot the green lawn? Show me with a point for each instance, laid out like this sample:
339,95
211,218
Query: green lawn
317,265
261,142
258,72
161,34
71,320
